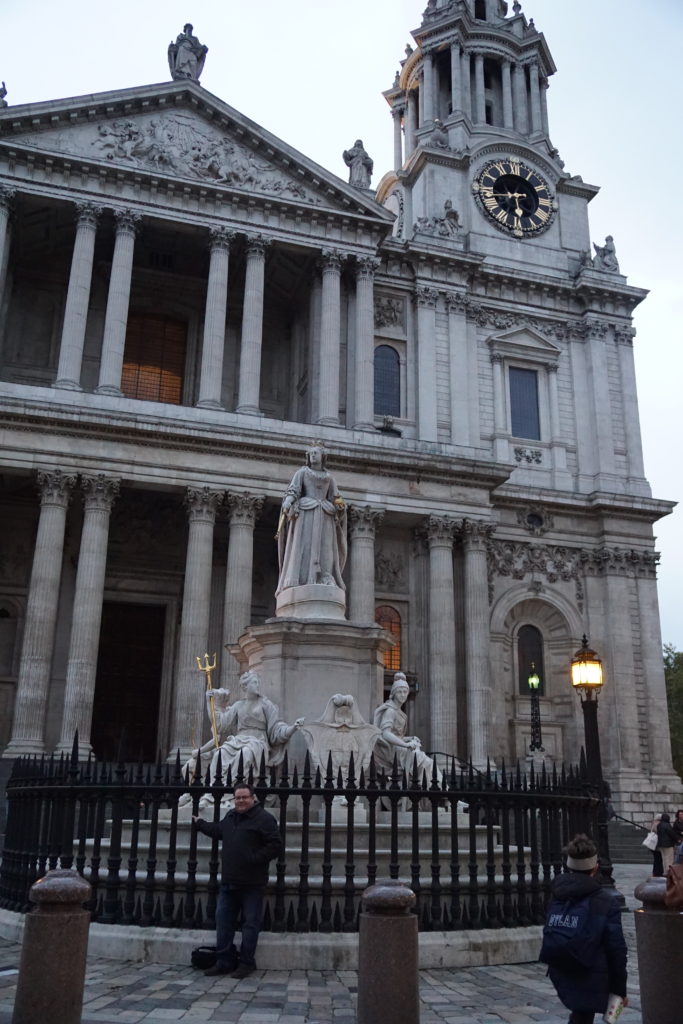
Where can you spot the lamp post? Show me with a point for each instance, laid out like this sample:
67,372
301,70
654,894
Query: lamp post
536,734
587,680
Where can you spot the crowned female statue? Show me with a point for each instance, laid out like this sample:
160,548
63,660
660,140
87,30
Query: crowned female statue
312,535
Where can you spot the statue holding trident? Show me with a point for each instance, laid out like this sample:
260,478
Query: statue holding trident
209,667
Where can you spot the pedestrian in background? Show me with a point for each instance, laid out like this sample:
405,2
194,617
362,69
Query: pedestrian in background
666,840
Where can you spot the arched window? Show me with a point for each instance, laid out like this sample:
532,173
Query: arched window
390,620
154,358
530,652
387,381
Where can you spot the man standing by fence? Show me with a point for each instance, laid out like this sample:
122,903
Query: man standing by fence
251,839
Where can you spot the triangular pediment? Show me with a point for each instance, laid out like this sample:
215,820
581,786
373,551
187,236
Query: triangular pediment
179,131
523,343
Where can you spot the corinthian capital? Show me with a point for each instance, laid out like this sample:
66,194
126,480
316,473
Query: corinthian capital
426,296
441,530
366,266
99,492
331,261
88,214
475,533
257,245
202,504
364,520
127,221
55,488
220,239
243,509
7,195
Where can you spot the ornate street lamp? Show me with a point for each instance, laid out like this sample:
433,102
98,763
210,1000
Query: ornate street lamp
536,735
587,680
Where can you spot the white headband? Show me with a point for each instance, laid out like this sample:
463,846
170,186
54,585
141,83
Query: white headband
587,864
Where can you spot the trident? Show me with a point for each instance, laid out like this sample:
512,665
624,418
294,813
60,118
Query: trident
209,667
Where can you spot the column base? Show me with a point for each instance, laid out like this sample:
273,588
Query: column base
328,421
364,426
84,750
209,403
109,389
67,385
22,748
249,410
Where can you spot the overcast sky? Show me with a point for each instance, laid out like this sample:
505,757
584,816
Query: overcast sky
312,72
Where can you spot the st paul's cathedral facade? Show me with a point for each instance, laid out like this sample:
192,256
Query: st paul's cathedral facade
187,303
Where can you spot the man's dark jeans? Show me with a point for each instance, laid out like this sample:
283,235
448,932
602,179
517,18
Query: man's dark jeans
231,900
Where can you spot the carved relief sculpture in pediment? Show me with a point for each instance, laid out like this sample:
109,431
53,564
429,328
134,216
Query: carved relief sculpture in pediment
176,144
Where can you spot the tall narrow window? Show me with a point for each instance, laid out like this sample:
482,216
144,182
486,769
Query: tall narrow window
154,358
530,652
524,416
390,620
387,381
480,10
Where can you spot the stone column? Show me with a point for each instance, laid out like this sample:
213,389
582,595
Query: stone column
364,522
534,88
411,124
459,369
213,341
99,495
443,705
597,384
33,683
659,761
466,90
479,90
116,317
365,343
397,115
426,299
456,78
520,101
558,449
500,426
188,702
544,106
330,338
78,299
477,641
427,86
6,199
252,326
629,396
508,121
244,509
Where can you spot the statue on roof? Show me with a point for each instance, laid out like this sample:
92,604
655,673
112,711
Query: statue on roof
606,257
360,165
3,93
186,56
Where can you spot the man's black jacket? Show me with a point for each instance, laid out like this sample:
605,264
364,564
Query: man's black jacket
250,841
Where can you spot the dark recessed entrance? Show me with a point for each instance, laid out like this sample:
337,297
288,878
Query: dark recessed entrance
128,680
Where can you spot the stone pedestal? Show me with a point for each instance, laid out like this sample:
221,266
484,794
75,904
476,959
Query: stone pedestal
312,601
303,662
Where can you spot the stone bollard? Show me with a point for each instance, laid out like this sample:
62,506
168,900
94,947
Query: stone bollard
53,952
388,986
659,941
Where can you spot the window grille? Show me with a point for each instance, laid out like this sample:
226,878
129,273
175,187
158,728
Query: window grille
154,358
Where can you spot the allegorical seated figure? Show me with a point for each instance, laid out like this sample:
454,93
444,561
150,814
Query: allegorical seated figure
250,729
312,530
392,723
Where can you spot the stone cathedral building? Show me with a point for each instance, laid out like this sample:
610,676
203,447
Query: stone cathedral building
187,302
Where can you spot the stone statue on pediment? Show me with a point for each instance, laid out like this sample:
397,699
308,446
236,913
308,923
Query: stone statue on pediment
186,56
3,93
360,165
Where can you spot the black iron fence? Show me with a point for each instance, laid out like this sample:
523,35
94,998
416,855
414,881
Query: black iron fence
480,850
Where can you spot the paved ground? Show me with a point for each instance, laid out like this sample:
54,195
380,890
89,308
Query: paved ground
128,993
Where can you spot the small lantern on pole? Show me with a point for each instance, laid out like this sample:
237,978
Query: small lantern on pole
534,682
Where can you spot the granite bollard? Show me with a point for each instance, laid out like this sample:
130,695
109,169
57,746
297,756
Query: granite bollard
53,952
388,986
659,940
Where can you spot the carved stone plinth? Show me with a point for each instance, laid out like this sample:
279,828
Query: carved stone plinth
302,663
312,601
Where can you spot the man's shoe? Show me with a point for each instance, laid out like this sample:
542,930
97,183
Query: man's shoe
216,970
243,971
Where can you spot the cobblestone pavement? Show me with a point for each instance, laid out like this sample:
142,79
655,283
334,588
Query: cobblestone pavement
128,993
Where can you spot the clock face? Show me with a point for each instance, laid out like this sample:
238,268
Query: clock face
516,198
